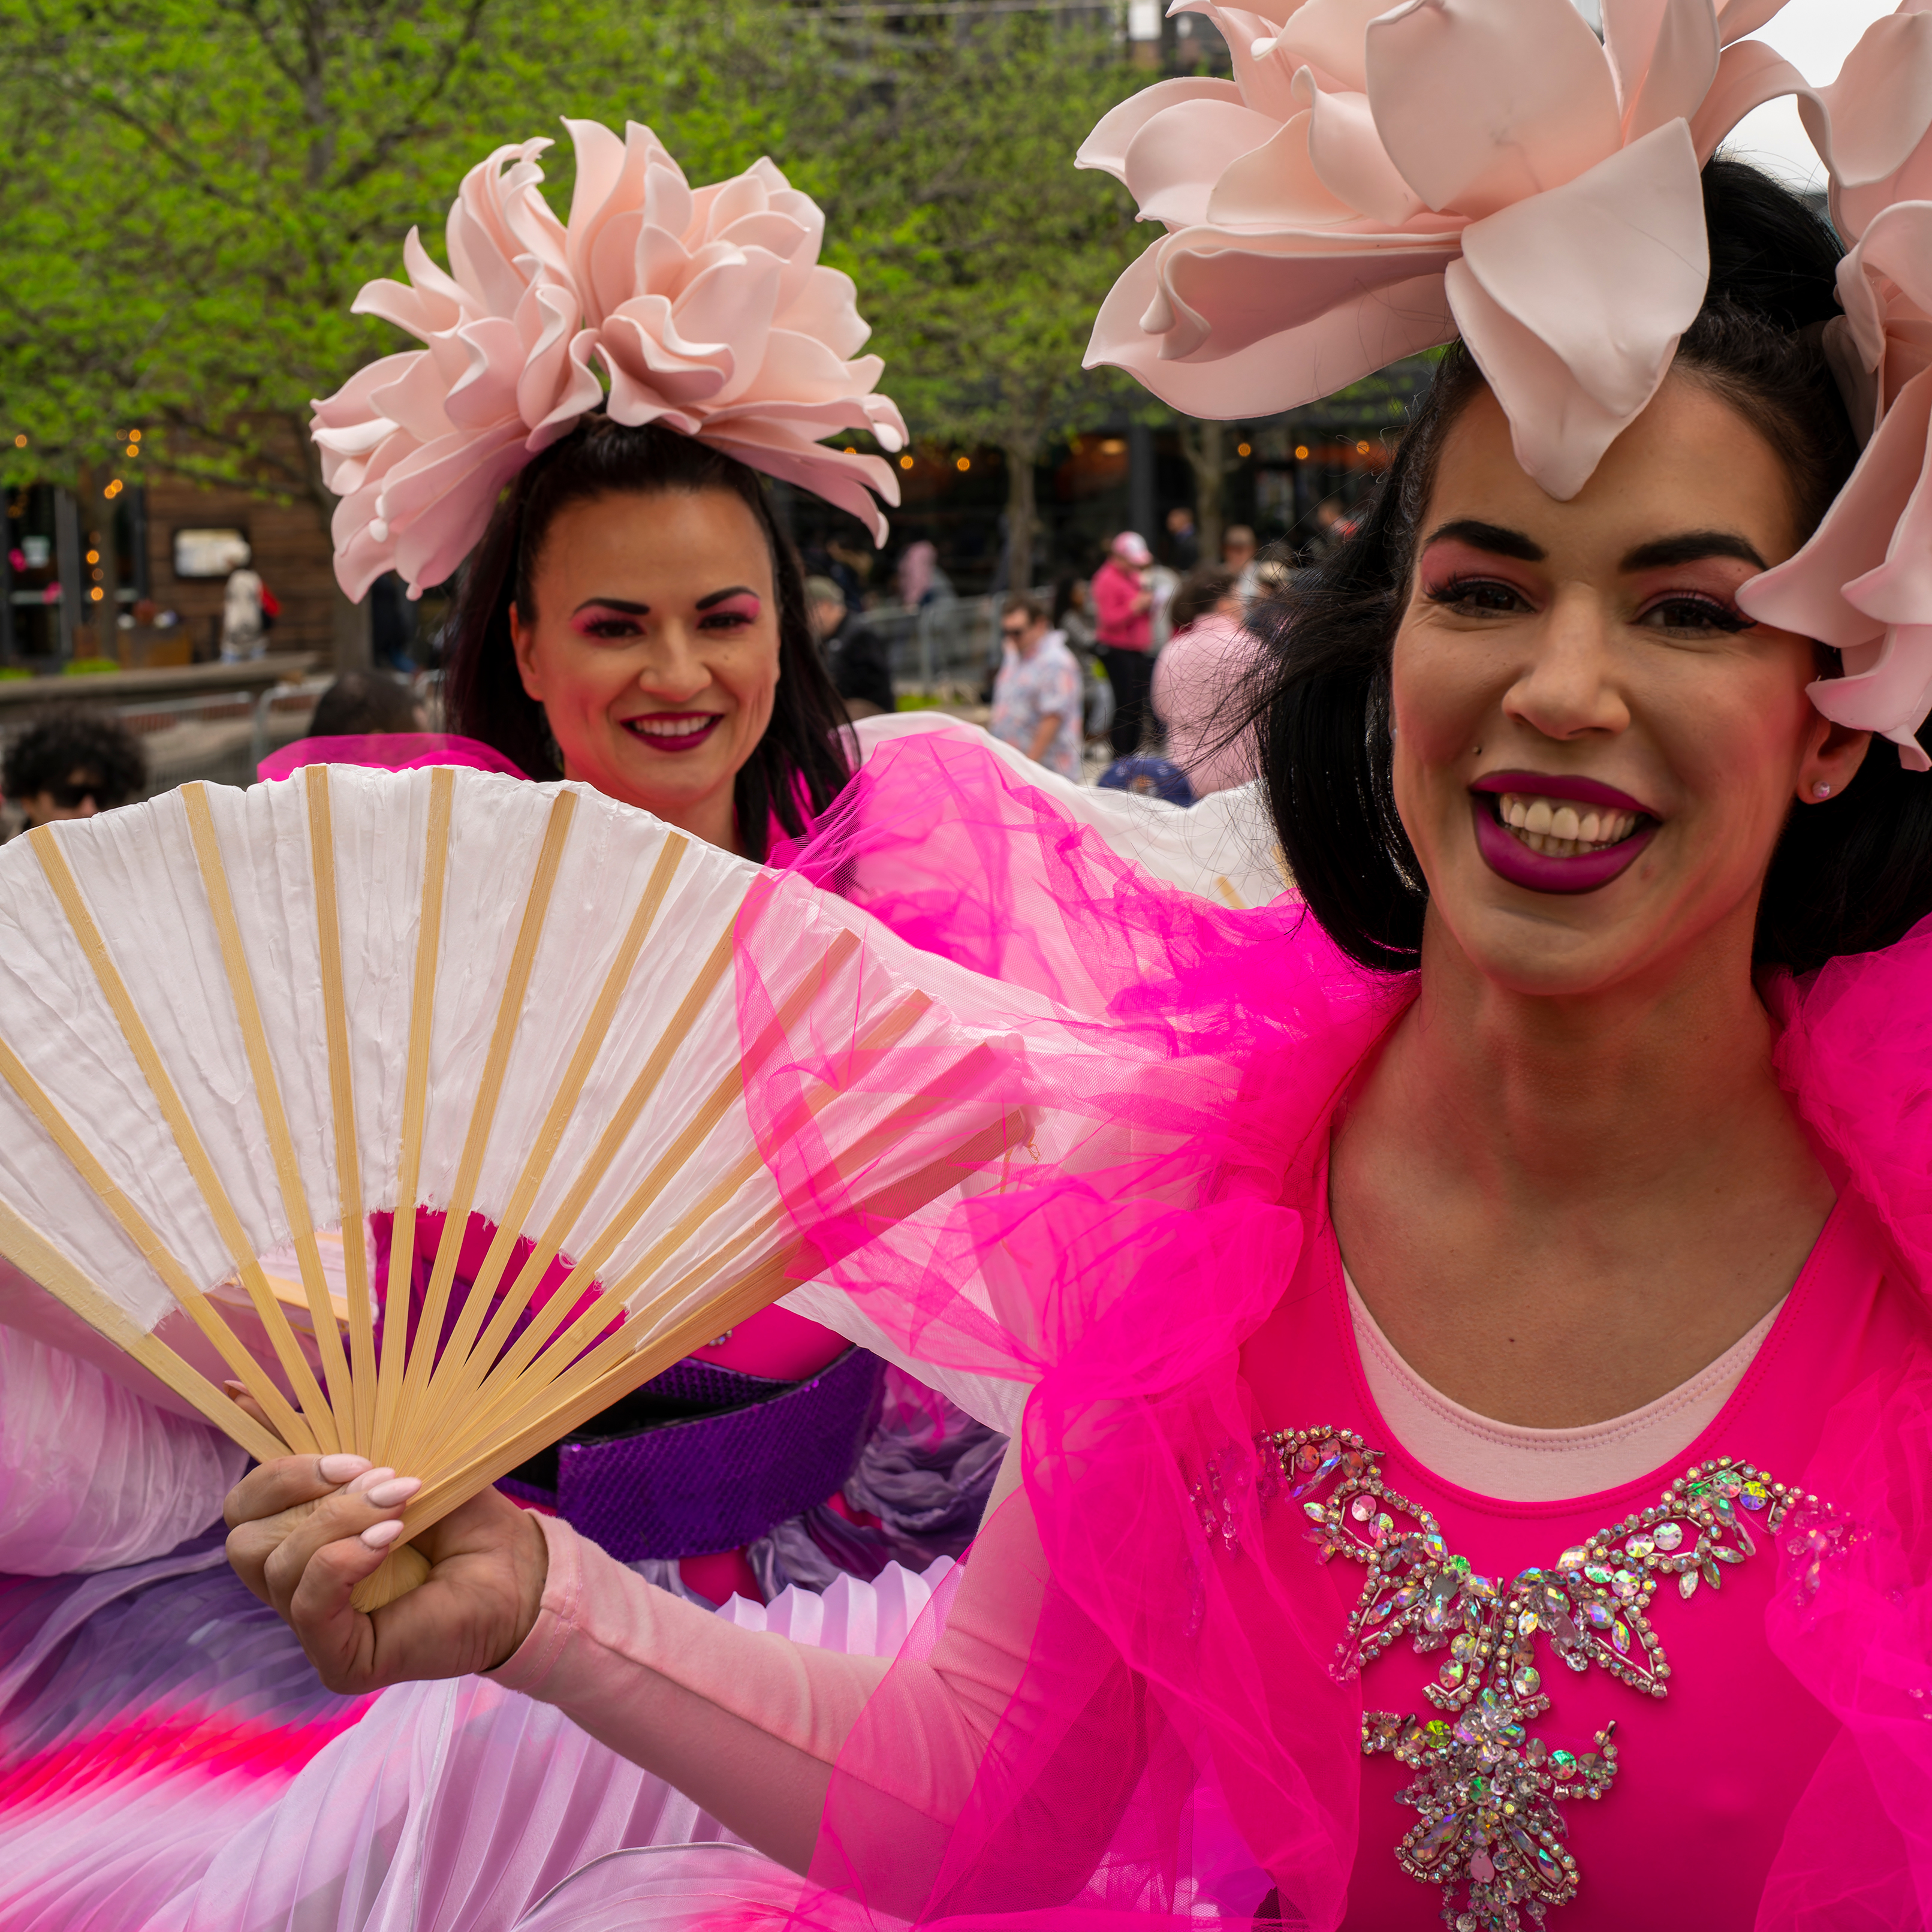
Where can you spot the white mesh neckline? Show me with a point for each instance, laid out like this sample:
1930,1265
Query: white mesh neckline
1515,1465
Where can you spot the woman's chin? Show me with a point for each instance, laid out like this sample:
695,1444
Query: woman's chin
1549,944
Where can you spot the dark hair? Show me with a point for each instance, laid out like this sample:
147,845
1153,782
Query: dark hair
1846,877
46,756
799,765
1201,590
1024,600
1067,591
364,701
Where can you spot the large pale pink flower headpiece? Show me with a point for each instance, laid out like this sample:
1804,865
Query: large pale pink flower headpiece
705,310
1379,179
1863,582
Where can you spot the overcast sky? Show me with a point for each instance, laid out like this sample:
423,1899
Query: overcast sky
1815,36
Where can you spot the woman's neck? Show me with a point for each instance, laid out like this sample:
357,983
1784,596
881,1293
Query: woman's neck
1557,1210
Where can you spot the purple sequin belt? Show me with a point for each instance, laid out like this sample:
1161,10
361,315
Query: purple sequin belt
703,1458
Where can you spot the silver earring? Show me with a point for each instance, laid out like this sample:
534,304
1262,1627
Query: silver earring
1821,791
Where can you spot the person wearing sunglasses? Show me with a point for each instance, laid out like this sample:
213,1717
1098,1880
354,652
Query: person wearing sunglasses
73,765
1037,701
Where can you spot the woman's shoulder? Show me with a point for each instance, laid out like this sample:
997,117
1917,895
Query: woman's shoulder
1855,1050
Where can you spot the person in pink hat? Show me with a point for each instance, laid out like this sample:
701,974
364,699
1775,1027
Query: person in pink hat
1124,628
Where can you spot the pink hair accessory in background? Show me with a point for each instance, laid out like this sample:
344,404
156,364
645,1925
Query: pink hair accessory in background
706,310
1863,584
1376,180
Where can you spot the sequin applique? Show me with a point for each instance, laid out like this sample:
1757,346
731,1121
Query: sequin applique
1489,1830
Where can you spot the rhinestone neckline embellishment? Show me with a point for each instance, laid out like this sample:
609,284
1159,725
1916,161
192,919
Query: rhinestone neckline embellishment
1489,1830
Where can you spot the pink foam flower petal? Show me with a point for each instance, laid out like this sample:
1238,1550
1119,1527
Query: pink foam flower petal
579,394
1382,319
354,404
1276,186
1347,154
851,482
728,307
1252,294
1608,271
1881,103
1105,148
546,322
1333,35
1481,103
1264,71
615,265
431,302
1749,74
1806,593
1174,162
827,307
429,550
1737,18
483,248
800,369
486,393
1572,303
641,342
416,397
1663,56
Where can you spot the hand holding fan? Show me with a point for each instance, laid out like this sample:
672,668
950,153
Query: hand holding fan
235,1019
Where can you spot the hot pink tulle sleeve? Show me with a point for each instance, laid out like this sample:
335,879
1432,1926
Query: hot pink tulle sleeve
751,1725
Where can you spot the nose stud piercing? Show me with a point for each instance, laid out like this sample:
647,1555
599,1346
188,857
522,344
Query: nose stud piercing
1821,791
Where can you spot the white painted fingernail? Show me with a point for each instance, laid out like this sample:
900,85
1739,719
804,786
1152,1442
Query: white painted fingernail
380,1535
397,1489
368,1479
339,1469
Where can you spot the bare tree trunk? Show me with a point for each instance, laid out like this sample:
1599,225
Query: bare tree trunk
354,647
1022,517
1205,446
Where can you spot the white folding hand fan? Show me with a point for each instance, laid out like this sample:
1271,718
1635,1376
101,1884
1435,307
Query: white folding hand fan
230,1020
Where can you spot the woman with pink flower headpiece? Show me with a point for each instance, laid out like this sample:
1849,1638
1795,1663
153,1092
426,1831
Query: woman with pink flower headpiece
1477,1465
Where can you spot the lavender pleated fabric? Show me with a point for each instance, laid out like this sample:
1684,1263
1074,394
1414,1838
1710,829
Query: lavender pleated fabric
172,1766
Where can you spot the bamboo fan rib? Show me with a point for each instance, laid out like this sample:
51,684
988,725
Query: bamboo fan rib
235,1021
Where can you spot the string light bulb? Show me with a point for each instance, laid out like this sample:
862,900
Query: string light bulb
1301,452
963,463
1243,449
905,462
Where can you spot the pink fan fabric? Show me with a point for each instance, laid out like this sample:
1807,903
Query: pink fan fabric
388,751
1863,582
706,310
1377,180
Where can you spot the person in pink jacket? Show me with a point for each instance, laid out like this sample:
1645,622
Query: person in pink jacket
1123,630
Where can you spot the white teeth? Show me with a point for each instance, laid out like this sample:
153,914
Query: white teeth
668,727
1558,829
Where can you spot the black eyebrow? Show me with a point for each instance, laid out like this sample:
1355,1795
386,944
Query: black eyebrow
1692,547
615,603
718,596
1491,537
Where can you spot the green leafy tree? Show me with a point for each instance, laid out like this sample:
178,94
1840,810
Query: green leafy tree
200,187
982,253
